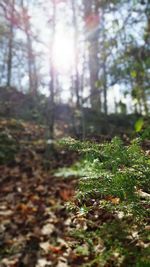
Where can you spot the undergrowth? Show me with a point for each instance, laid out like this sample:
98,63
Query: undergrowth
111,170
8,147
110,197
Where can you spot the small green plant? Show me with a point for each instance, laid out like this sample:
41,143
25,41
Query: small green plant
111,178
142,128
111,169
8,147
139,124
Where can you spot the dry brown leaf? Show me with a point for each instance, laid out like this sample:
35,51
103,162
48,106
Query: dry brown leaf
43,263
114,200
45,246
66,194
56,250
47,229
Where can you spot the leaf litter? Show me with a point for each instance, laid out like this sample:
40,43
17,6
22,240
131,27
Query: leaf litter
36,227
32,211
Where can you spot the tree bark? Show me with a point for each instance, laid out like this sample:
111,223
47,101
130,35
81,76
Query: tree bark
30,54
52,78
10,44
76,53
90,12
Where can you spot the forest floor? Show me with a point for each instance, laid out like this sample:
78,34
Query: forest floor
36,226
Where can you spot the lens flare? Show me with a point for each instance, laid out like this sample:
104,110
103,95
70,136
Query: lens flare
63,53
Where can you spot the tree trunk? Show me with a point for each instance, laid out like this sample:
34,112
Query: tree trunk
89,14
10,44
52,78
104,64
76,53
30,54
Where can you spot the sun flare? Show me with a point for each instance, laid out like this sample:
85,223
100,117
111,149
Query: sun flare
63,53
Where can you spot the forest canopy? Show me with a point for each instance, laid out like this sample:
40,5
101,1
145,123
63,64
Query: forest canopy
85,53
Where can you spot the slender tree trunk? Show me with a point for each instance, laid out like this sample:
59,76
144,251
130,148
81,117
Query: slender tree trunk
10,44
105,89
104,63
30,54
142,95
52,78
94,70
76,53
93,47
2,72
147,42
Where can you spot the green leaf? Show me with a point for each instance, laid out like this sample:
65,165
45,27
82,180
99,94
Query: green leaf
139,124
133,74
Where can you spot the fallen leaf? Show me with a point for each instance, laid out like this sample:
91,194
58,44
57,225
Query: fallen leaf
55,250
47,229
6,212
114,200
45,246
43,263
66,194
62,264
